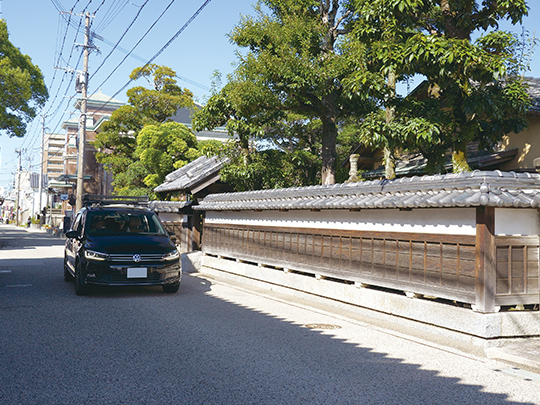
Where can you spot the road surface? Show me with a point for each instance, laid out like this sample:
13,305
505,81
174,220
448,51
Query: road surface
212,343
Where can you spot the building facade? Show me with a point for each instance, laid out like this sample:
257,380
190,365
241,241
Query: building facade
97,181
54,146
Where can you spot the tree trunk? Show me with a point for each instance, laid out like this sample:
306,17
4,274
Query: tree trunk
329,135
329,103
459,158
389,160
329,118
457,24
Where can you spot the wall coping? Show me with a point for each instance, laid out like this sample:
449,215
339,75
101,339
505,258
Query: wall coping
473,189
168,206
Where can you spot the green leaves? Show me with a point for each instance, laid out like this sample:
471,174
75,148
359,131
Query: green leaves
136,145
311,70
471,92
22,89
163,148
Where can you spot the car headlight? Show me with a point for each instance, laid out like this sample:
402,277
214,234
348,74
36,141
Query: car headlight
93,255
171,255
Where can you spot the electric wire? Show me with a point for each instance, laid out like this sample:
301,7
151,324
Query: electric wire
59,57
133,48
144,60
121,38
159,52
33,139
111,14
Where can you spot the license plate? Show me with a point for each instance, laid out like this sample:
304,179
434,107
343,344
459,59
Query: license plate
137,272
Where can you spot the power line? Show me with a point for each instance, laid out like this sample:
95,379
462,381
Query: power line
143,60
133,48
122,37
111,14
161,50
77,29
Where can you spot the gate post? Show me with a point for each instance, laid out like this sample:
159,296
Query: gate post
486,261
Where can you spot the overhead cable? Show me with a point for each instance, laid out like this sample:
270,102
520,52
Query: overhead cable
160,51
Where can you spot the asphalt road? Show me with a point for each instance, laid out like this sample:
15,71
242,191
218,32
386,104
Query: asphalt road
212,343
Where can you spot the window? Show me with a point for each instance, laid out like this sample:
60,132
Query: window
124,222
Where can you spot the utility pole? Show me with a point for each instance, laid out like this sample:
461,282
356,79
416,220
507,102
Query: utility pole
19,171
82,118
41,166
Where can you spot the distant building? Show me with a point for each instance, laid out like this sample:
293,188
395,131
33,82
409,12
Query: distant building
183,116
25,193
526,143
60,150
54,146
97,181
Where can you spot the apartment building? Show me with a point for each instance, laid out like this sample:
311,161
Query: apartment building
54,147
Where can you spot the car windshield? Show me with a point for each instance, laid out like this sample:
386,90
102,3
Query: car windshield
119,223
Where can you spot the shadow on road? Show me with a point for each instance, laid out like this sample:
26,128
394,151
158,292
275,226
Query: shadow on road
12,237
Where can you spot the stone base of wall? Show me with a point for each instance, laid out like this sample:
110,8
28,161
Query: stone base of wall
439,320
191,262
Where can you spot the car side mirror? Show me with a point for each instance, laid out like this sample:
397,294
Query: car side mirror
72,234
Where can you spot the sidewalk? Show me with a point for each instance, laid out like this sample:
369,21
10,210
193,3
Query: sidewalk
520,353
34,229
525,353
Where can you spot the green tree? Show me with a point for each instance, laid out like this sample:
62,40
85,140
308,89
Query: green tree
116,143
266,149
295,64
164,148
22,89
473,89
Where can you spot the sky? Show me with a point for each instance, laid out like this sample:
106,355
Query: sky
198,46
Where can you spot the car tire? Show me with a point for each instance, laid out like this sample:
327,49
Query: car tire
171,288
81,288
67,275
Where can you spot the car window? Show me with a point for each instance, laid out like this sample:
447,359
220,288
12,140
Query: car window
108,222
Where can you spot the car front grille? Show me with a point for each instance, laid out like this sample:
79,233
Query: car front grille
129,258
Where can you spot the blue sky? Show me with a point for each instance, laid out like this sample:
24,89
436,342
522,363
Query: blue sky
40,31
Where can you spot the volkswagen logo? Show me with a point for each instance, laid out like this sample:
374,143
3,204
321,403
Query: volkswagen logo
136,258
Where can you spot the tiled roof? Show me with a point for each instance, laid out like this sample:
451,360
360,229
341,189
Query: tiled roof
168,206
473,189
534,92
192,174
416,165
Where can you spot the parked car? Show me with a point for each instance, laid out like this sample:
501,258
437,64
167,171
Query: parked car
120,244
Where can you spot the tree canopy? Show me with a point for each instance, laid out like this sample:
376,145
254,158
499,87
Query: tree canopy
473,88
22,89
123,137
163,148
314,77
291,74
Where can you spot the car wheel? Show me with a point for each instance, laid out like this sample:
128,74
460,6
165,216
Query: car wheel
67,274
171,288
81,288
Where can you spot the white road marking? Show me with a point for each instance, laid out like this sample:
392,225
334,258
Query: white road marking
18,285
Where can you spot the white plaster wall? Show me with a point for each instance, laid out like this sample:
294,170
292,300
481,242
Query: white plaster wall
450,221
515,221
170,216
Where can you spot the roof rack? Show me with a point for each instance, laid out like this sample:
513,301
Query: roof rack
99,200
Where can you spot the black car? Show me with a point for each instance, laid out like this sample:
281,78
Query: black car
119,245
